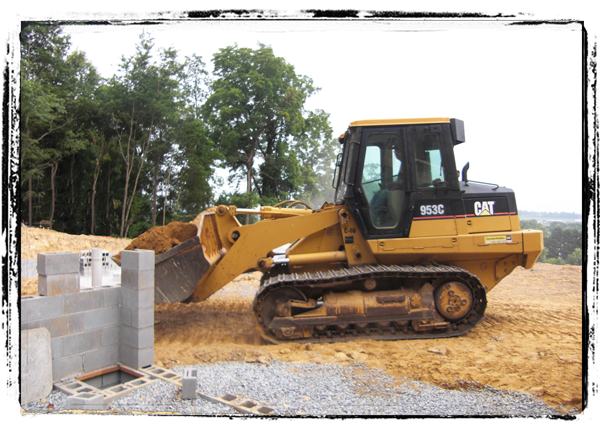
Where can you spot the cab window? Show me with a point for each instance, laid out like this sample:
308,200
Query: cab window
428,158
382,179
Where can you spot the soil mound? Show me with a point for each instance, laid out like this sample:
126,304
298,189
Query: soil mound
38,240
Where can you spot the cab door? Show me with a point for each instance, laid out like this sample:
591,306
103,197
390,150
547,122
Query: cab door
380,186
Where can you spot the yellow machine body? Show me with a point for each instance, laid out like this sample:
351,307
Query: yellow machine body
406,250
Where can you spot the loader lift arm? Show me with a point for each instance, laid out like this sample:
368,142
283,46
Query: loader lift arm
225,249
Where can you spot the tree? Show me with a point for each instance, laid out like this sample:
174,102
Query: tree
56,94
532,224
317,150
189,165
196,153
43,51
195,84
563,240
145,107
575,258
255,112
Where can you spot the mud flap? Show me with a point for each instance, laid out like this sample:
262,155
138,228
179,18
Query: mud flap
178,271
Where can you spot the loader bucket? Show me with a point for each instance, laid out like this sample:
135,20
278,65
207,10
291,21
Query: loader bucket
178,272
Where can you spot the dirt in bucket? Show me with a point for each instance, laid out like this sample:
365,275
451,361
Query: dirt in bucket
161,239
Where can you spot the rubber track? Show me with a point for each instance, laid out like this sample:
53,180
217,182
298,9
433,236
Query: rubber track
332,278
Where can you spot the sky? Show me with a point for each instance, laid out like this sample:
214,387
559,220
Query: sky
518,88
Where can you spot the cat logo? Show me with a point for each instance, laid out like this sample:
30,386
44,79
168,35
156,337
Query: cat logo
484,208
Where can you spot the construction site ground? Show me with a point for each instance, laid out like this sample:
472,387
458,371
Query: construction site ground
531,338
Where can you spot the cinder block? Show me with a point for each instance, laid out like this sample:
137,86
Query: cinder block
36,365
86,401
100,318
137,259
70,387
41,307
126,355
82,342
57,348
100,358
64,325
83,301
135,358
126,315
137,317
110,335
58,263
137,279
57,284
137,298
137,338
112,296
67,366
189,382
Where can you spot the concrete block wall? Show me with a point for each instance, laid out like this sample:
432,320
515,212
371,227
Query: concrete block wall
99,327
136,334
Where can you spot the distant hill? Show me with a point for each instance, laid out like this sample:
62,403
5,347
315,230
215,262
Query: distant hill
550,215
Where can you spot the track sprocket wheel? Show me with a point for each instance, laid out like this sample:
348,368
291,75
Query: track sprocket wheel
453,300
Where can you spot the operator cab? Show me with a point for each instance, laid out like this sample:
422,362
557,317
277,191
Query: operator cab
391,171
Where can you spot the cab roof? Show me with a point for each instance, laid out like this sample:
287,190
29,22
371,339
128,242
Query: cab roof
372,122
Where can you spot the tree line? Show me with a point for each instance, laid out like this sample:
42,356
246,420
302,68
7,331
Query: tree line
116,156
562,242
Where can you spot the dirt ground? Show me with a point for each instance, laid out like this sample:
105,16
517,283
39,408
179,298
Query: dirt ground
530,339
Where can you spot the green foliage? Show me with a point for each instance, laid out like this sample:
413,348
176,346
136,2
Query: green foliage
532,224
197,153
575,258
562,241
140,208
116,156
256,117
556,261
55,112
242,200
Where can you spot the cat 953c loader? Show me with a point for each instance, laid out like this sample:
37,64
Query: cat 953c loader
404,251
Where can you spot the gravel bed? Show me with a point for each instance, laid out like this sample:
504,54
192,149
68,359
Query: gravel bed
311,389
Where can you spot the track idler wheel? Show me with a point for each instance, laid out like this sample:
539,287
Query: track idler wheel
276,304
453,300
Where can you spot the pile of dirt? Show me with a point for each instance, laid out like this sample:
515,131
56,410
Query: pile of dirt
38,240
161,239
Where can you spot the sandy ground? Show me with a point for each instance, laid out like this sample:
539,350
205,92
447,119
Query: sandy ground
530,339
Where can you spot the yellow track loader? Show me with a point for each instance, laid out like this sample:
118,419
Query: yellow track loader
406,249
